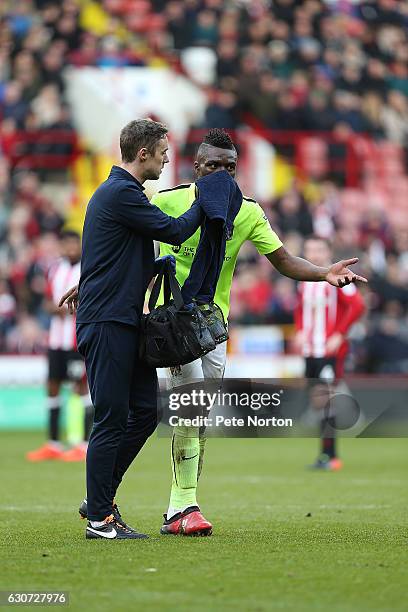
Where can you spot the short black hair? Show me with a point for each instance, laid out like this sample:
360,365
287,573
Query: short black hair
219,138
70,233
139,134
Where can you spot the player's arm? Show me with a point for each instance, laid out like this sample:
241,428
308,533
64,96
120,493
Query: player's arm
297,268
338,274
352,308
139,214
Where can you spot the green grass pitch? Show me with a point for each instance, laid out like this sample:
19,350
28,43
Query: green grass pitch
284,538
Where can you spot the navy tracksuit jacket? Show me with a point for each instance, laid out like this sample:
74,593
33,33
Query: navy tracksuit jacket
116,267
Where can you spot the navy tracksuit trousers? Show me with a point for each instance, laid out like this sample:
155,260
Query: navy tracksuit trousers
124,394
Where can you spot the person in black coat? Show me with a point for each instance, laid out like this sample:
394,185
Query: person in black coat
116,268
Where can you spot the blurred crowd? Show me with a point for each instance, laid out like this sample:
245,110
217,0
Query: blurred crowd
261,296
309,65
287,65
291,64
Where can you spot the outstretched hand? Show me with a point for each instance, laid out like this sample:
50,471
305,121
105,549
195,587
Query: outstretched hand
340,275
70,298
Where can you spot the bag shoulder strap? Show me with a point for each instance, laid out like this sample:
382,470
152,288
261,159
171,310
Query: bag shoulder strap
171,287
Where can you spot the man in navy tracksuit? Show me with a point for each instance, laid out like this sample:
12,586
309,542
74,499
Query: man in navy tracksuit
117,265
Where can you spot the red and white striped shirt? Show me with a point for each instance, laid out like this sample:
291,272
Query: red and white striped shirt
62,276
324,310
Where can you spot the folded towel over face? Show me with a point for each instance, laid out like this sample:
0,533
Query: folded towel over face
220,199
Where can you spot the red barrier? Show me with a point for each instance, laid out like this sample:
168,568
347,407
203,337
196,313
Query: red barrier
40,149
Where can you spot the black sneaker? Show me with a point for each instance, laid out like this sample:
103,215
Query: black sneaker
83,511
111,530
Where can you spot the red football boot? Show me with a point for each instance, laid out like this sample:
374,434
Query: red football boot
189,523
47,452
77,453
335,464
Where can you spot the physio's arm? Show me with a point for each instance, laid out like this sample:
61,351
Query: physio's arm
137,213
70,298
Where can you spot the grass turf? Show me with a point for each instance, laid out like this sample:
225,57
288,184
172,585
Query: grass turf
284,538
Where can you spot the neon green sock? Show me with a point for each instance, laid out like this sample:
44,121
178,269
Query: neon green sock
185,455
75,419
201,458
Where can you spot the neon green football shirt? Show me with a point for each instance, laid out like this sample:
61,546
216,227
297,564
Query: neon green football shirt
251,223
